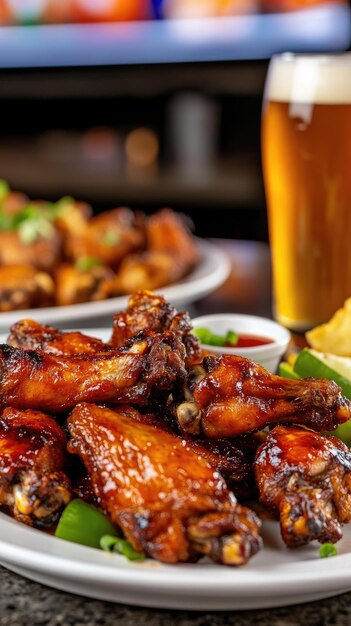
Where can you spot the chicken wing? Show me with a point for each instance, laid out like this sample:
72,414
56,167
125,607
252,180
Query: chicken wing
233,463
237,396
33,486
44,253
171,253
166,232
147,310
24,287
168,500
306,478
30,335
75,285
148,270
109,237
71,219
147,364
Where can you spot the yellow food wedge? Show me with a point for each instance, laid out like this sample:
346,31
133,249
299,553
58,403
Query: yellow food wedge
334,337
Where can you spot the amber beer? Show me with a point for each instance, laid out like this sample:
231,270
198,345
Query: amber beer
306,149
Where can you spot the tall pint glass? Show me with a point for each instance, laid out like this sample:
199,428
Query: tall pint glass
306,152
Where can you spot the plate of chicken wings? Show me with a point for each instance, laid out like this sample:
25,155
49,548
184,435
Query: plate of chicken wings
68,264
214,470
211,271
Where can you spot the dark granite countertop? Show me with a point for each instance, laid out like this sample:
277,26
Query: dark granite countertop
25,603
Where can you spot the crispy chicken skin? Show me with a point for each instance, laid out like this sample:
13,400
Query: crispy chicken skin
168,500
306,478
30,335
149,363
24,287
237,396
226,457
33,486
147,310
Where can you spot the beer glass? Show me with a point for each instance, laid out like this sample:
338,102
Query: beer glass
306,153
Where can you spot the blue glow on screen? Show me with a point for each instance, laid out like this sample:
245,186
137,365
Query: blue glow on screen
323,29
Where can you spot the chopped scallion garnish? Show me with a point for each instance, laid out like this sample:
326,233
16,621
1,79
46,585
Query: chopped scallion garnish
86,263
326,550
109,543
207,337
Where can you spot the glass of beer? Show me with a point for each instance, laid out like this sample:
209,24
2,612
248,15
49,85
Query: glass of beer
306,152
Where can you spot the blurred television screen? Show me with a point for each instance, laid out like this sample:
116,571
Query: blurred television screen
77,11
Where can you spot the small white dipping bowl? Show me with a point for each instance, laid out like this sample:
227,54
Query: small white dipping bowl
267,355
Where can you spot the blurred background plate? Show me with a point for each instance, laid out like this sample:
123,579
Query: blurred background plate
211,272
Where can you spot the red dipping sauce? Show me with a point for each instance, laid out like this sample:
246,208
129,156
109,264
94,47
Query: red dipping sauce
250,341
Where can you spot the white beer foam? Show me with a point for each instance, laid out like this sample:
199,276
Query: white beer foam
307,78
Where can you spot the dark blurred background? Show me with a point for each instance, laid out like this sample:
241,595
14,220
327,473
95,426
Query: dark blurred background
164,111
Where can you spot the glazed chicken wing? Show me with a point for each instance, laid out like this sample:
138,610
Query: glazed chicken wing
306,478
236,396
233,463
33,485
71,220
168,500
30,335
171,253
147,310
166,232
44,253
33,379
148,270
109,237
25,287
75,285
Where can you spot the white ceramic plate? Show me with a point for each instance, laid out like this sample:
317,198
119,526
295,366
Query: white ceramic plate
276,576
211,272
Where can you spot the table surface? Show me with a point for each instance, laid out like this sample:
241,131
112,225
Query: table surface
23,602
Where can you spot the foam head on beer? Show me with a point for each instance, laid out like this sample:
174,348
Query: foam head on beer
306,151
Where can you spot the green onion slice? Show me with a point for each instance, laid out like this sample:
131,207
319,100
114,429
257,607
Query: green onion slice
232,337
83,523
4,190
86,263
326,550
111,238
207,337
111,543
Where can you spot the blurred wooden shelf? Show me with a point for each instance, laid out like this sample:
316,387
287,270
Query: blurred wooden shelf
223,188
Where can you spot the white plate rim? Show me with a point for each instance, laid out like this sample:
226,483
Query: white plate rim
200,579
